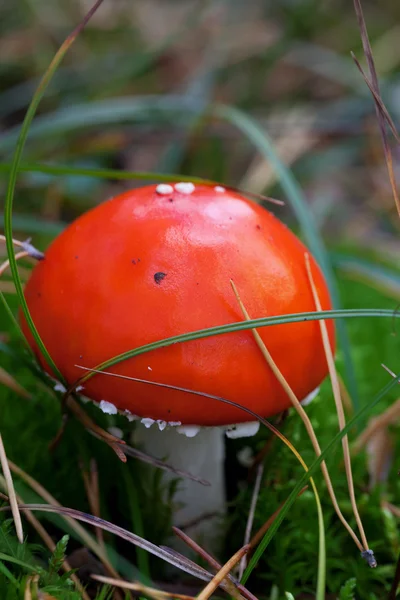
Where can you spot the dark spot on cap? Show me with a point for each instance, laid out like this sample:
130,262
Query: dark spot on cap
258,226
170,199
39,294
133,261
169,410
158,277
76,257
81,356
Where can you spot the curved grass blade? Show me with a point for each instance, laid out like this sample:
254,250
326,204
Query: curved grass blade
308,226
64,170
73,171
175,559
238,326
361,414
23,134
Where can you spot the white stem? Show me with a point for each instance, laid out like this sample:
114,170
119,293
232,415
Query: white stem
203,456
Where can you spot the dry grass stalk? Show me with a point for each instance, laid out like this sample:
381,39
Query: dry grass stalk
9,381
11,492
339,405
91,483
374,87
250,518
304,417
395,510
222,573
4,266
31,586
140,587
391,415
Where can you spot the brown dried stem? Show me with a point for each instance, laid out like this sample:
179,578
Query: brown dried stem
11,492
374,87
140,587
304,417
339,406
222,573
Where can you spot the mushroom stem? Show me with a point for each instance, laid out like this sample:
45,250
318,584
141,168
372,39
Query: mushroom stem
199,508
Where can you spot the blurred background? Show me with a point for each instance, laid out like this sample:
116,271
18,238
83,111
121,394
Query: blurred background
141,88
261,95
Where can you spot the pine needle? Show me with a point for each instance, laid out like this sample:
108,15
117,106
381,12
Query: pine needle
366,553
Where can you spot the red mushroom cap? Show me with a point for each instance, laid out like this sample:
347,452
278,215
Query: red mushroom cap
157,261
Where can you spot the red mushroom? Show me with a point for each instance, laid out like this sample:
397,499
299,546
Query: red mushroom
157,261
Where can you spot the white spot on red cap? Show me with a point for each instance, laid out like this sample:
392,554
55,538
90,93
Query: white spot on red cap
147,422
219,188
185,187
164,189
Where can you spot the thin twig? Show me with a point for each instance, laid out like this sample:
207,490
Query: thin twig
6,263
27,247
340,411
91,483
304,417
9,381
378,100
390,415
222,573
375,86
115,443
11,492
211,561
250,518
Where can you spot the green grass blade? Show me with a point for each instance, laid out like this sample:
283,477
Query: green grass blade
244,326
8,225
361,414
13,319
149,109
383,279
7,573
101,173
263,143
16,561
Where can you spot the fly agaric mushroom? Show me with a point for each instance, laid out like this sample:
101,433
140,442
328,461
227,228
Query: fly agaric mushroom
156,262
